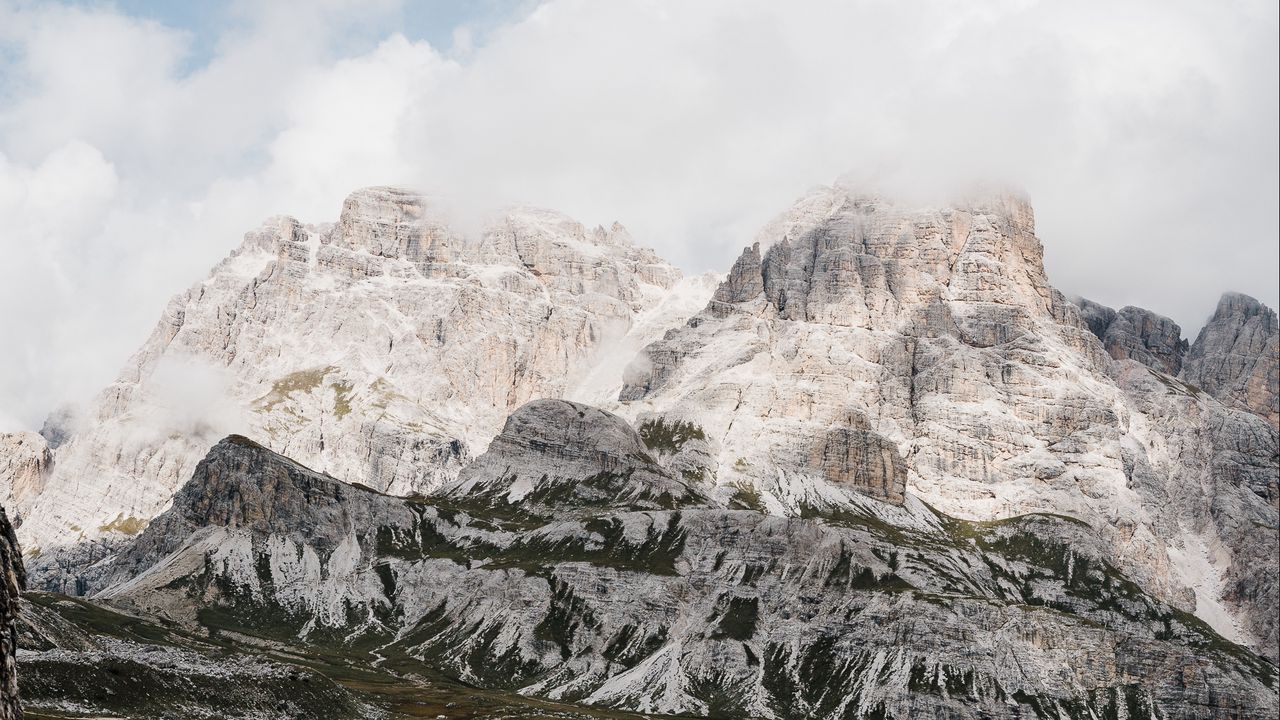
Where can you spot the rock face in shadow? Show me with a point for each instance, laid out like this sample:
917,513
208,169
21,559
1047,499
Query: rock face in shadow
559,455
1133,333
1236,357
12,582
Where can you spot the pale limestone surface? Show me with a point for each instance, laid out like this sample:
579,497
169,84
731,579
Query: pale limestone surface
386,349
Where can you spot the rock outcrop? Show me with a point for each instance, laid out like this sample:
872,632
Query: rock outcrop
1137,334
1236,357
25,464
12,582
557,456
877,611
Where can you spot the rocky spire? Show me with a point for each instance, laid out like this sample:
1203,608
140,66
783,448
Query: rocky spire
1236,357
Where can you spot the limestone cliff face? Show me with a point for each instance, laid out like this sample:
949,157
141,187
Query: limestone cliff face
385,349
1236,357
12,582
974,385
26,462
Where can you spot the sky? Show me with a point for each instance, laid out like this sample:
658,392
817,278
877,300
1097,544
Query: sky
139,140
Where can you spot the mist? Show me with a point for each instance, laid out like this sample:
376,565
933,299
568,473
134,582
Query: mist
1145,135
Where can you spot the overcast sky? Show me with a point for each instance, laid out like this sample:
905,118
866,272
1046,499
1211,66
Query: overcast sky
139,140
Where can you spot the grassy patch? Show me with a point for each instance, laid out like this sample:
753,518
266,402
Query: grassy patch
302,381
1175,386
746,497
341,398
127,525
669,438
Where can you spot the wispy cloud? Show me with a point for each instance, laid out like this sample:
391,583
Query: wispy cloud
1146,134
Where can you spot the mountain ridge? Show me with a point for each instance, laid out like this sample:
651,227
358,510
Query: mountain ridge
870,379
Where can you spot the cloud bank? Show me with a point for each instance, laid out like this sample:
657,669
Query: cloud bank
1145,134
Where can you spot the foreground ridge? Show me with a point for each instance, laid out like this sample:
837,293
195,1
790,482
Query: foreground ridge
872,610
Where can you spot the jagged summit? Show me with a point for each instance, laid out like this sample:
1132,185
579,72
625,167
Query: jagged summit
1137,334
1236,356
386,348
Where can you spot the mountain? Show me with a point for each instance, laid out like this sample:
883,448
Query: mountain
882,469
1136,334
1236,356
868,344
387,349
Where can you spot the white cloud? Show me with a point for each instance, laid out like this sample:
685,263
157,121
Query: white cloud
1146,134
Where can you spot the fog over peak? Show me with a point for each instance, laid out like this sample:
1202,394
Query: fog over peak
135,152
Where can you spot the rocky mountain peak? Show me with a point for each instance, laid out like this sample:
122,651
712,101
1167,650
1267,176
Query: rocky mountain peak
1135,333
896,351
1236,356
819,260
1235,305
387,348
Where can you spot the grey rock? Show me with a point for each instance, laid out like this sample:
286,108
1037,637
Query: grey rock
1236,357
1137,334
745,280
852,455
555,455
12,582
1096,315
872,610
